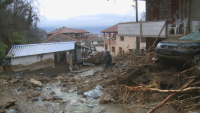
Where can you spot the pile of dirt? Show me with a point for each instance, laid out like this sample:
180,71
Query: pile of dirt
96,58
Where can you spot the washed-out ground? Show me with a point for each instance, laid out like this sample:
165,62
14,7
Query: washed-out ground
53,96
120,91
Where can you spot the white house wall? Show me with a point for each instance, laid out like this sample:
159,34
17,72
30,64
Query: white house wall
32,62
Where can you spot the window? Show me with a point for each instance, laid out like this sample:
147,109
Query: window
143,39
114,36
113,49
106,46
130,50
121,38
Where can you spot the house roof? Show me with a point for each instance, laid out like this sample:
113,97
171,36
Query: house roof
111,29
97,39
68,30
41,48
58,37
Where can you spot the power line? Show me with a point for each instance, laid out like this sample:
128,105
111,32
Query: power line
127,14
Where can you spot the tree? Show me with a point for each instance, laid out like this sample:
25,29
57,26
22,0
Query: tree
18,24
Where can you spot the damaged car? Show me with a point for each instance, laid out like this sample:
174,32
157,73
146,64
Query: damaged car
185,49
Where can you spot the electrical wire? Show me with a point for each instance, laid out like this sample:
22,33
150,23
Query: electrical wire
127,14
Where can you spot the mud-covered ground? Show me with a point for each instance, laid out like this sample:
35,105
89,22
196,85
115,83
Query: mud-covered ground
43,92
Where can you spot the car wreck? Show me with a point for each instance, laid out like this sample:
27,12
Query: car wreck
185,49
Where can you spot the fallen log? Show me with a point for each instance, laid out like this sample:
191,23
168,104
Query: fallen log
164,101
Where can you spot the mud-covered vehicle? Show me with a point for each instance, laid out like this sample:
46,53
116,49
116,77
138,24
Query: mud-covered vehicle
185,49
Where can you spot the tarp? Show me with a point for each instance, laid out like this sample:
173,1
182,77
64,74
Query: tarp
192,36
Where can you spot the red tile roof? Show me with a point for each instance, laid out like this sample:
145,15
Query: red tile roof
68,30
58,37
111,29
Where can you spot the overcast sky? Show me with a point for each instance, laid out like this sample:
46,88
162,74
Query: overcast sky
86,13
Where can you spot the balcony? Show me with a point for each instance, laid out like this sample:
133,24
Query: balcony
147,29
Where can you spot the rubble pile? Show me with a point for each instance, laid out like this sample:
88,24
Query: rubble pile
96,58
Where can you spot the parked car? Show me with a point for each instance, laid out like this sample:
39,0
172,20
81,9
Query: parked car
185,49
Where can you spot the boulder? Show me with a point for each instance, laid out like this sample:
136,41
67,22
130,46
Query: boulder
13,80
120,63
11,111
105,99
60,78
64,90
57,98
49,98
35,82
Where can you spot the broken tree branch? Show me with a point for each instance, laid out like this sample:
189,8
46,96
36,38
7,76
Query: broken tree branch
174,91
163,102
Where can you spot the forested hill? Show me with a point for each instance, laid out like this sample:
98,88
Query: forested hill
18,24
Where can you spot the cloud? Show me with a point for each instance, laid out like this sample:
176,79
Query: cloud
89,21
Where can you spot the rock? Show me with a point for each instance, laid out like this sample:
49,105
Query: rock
35,99
57,98
11,111
98,109
38,89
19,88
2,110
71,83
120,63
105,99
2,81
4,77
49,98
64,90
123,67
60,78
79,92
35,82
55,75
63,84
43,98
66,101
52,93
91,106
12,101
73,80
82,100
48,88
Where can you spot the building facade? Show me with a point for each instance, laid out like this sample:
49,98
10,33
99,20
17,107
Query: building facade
118,44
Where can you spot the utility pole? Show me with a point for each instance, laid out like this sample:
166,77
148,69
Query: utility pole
137,38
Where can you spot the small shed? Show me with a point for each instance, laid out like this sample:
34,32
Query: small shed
41,55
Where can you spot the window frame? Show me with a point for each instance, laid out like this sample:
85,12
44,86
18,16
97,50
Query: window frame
121,38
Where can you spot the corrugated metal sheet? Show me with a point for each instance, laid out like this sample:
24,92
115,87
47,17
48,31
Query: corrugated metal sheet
192,36
41,48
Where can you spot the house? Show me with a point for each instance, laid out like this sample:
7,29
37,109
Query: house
172,19
78,34
42,55
59,37
97,41
118,44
